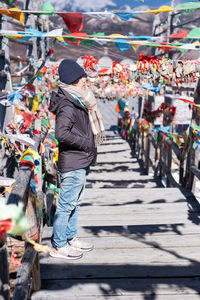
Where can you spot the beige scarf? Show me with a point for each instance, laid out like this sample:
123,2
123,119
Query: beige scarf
88,99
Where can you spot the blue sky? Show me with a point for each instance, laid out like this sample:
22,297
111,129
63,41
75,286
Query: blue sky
101,5
152,3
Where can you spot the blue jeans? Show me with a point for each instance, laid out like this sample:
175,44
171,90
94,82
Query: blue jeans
65,219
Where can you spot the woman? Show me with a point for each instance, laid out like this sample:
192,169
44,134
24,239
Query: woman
78,130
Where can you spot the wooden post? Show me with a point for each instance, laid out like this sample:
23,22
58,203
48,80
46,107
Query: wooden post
6,112
4,271
155,30
170,25
156,160
142,146
147,154
136,140
33,231
35,274
187,177
23,281
21,193
196,178
181,167
160,160
191,160
169,163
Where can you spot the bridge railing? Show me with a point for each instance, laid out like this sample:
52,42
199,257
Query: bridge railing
165,158
28,273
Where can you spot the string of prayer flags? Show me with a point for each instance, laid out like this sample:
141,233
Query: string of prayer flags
74,21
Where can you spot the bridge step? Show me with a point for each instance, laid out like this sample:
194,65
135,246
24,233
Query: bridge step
146,237
145,241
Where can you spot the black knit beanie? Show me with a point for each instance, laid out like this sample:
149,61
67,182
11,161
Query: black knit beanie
69,71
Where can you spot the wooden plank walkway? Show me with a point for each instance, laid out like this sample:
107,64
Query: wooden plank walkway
146,237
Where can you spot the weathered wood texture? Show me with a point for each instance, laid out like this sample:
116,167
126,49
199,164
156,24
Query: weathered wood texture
29,264
164,154
4,274
21,193
146,238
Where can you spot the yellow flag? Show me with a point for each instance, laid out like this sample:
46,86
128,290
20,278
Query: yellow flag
197,43
8,189
115,35
55,156
37,202
14,13
3,139
134,48
177,139
31,152
60,39
185,137
16,36
38,247
35,102
164,8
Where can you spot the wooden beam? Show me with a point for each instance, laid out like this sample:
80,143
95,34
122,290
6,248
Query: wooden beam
23,280
20,186
17,59
16,23
4,271
3,74
195,171
23,74
2,53
21,42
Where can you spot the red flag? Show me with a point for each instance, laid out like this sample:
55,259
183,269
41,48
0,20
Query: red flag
186,100
74,21
181,34
50,52
77,36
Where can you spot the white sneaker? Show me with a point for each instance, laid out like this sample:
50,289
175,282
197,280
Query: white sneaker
66,252
78,245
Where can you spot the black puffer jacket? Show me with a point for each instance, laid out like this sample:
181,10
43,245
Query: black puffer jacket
73,132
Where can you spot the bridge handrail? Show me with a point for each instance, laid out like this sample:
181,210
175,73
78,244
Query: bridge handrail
28,273
159,157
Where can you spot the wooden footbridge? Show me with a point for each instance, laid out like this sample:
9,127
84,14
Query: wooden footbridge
146,236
